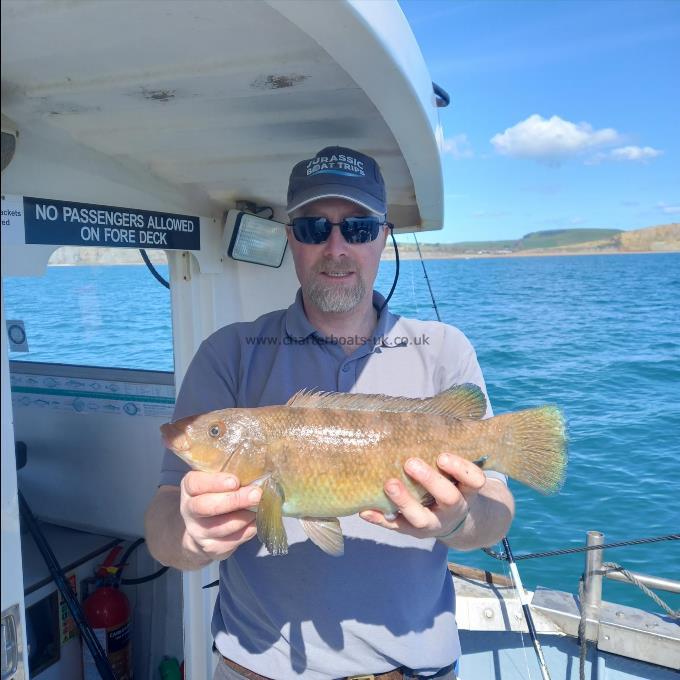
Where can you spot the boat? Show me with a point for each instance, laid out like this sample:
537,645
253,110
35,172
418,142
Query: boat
164,126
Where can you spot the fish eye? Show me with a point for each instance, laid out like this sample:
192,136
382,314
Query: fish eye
216,430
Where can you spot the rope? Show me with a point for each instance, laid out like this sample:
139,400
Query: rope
582,639
612,566
583,548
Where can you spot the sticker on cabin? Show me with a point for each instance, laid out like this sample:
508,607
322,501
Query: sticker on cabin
16,335
117,398
65,223
67,625
12,220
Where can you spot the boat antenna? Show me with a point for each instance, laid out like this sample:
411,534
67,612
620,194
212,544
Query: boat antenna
514,572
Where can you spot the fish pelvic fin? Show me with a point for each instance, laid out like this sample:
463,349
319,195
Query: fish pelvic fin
461,402
270,529
326,533
531,447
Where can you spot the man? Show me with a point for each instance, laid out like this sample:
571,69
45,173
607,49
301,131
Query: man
386,607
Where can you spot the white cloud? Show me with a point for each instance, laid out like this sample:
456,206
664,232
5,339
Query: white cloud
457,146
551,139
668,209
640,154
634,153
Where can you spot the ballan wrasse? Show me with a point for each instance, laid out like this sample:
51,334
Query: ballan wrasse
325,455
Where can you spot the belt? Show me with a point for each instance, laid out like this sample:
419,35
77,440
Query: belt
396,674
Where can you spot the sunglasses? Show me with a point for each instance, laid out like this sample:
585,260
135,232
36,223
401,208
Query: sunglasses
354,229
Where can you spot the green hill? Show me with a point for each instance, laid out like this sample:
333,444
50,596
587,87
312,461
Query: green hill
557,238
554,238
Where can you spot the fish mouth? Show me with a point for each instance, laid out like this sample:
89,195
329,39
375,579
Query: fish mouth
175,438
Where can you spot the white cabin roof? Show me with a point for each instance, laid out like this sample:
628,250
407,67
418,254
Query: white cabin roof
193,105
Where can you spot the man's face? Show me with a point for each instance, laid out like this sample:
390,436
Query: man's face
335,275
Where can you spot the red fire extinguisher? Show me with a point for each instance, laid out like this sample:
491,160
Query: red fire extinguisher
107,610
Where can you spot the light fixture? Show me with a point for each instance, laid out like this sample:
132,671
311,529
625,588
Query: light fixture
249,238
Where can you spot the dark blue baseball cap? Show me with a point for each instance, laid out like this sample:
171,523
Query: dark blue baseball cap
338,172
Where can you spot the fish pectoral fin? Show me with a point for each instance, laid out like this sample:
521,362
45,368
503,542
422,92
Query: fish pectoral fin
326,533
270,529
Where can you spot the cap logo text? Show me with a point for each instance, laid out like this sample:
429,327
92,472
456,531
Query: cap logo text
346,165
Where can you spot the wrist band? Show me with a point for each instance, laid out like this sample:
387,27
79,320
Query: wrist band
453,531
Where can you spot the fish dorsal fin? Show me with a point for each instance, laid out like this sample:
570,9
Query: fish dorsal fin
326,533
464,402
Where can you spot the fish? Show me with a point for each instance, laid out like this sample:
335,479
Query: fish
325,455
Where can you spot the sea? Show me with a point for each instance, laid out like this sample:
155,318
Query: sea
598,336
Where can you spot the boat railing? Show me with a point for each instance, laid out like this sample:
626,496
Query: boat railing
612,627
656,582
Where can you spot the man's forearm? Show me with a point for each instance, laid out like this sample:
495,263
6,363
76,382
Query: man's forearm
166,535
491,513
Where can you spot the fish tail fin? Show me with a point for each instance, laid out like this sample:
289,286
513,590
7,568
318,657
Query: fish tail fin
531,447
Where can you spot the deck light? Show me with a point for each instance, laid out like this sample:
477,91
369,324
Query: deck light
250,238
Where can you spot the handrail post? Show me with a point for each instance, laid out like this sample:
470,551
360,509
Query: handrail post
593,580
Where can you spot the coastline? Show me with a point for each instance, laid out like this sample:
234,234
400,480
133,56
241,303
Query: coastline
647,241
388,256
529,253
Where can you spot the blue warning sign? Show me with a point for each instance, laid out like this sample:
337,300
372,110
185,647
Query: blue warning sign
51,222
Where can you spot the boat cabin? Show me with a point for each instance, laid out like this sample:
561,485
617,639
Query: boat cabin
160,128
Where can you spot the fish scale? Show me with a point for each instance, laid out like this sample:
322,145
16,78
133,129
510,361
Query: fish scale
330,470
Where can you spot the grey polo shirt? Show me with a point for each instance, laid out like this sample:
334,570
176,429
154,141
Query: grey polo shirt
389,600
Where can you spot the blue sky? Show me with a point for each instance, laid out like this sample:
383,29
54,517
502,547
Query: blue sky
564,114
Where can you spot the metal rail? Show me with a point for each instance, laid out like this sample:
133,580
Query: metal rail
593,575
656,582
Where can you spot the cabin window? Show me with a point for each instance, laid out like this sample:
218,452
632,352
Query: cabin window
94,307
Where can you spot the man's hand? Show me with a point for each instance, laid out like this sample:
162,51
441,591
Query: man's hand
204,519
469,510
216,515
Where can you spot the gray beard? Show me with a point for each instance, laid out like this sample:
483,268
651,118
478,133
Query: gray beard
332,299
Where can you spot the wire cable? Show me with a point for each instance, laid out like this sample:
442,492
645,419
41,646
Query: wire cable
582,548
122,563
153,269
396,271
427,279
90,639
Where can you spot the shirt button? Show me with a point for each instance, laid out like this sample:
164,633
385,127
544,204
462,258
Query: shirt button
345,368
